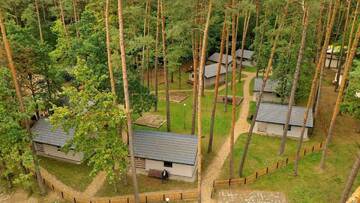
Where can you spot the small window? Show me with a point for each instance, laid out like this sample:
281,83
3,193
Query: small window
58,149
289,127
168,164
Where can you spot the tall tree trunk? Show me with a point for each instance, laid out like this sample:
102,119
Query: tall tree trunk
257,5
20,100
143,62
233,85
340,20
166,71
351,179
38,20
157,54
179,77
353,28
62,16
75,17
147,47
339,62
245,29
196,42
318,90
296,79
227,69
339,99
213,111
266,77
262,33
199,97
319,65
127,101
111,75
319,30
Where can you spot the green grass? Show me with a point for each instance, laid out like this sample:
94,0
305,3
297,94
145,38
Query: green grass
251,69
239,89
252,109
251,87
75,176
181,117
263,152
146,184
312,184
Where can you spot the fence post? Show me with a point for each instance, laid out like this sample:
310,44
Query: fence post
256,175
267,170
304,151
163,197
287,161
145,198
62,195
181,196
277,164
245,181
229,182
74,200
313,148
320,144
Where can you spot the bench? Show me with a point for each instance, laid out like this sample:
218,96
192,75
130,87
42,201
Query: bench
158,174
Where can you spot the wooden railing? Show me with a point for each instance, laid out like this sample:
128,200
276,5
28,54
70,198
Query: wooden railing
71,195
265,171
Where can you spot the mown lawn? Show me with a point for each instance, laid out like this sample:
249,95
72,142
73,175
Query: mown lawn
312,184
76,176
146,184
181,117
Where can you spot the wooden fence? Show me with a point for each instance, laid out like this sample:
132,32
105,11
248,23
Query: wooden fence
269,169
71,195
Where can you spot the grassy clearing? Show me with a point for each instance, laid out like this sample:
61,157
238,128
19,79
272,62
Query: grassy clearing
312,184
75,176
263,152
181,117
251,69
146,184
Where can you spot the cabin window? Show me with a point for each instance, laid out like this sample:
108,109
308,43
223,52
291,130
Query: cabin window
289,127
58,149
168,164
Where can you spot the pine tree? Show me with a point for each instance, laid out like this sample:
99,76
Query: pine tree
296,78
127,102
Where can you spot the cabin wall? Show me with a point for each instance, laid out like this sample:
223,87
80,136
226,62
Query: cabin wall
176,169
54,152
272,129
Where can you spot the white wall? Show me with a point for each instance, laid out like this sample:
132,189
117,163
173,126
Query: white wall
277,130
52,151
177,169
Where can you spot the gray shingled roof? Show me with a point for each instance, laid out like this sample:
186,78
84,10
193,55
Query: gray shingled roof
211,70
44,133
276,113
215,58
270,85
247,54
164,146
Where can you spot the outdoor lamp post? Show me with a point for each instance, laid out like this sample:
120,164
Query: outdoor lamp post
184,110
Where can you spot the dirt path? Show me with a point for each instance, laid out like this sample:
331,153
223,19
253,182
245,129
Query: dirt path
96,184
241,126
